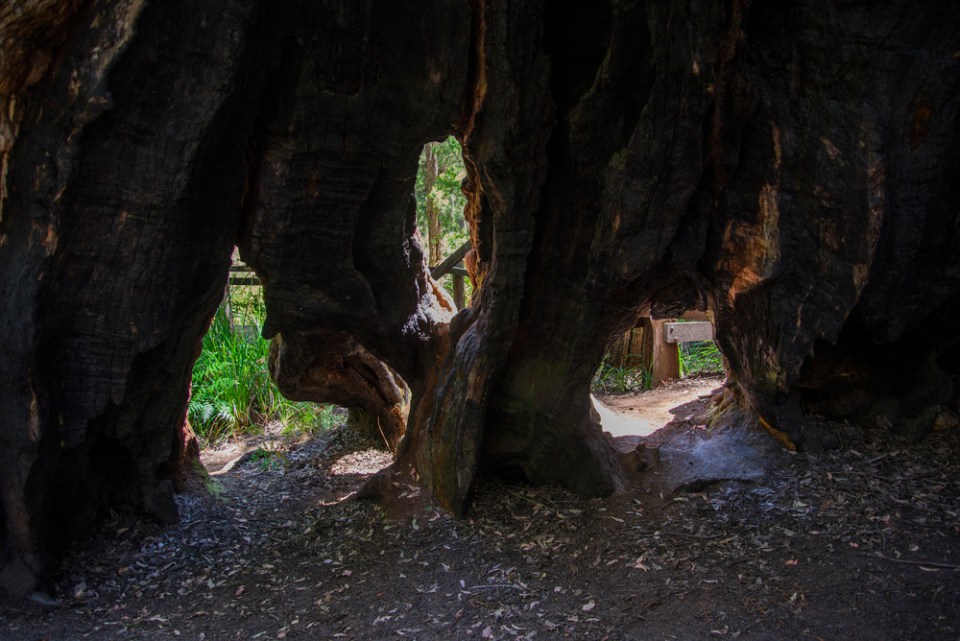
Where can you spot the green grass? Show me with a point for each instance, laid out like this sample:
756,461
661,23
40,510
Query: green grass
695,358
701,357
270,459
232,393
611,379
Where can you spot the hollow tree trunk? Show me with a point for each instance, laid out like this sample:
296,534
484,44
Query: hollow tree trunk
834,241
125,171
796,165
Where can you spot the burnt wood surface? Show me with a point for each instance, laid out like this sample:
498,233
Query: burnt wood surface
793,166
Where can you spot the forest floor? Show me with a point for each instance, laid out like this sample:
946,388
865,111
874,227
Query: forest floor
862,543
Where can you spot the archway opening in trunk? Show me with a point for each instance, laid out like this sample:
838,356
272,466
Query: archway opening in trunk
440,216
232,394
657,373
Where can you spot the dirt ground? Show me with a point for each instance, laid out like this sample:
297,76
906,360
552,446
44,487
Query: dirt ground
646,412
860,544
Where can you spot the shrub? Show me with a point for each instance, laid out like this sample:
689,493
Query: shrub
612,379
232,393
700,357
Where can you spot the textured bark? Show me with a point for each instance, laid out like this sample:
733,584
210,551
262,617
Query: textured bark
607,204
794,166
332,226
835,246
334,367
120,209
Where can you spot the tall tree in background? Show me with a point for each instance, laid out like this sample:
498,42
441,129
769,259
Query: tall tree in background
430,170
440,201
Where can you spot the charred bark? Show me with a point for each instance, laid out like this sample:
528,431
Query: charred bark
122,193
610,205
794,167
834,247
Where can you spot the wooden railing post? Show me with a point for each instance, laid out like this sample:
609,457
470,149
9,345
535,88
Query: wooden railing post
459,296
662,359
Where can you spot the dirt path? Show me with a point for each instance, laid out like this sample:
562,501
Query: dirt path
642,413
863,544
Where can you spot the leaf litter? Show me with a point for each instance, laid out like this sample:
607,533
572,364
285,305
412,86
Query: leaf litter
861,543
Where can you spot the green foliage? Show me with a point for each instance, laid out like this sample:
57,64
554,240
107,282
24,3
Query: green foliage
308,418
612,379
450,201
695,358
702,357
446,193
232,392
447,283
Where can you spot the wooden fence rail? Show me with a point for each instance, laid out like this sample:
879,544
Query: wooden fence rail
452,265
243,275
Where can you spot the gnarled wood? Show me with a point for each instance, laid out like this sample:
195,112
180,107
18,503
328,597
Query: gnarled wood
332,367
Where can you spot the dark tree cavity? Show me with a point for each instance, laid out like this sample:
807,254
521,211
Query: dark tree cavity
793,166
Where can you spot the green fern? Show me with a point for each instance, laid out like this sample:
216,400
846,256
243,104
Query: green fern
232,392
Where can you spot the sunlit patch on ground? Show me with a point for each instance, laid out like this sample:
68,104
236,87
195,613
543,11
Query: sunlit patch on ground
364,462
642,413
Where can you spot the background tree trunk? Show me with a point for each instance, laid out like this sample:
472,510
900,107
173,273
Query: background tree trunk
431,169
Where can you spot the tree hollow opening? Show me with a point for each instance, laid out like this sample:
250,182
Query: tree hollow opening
657,373
440,215
233,396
